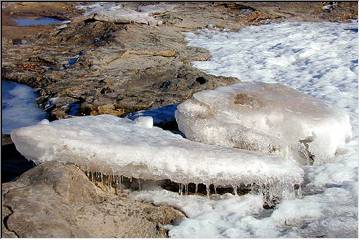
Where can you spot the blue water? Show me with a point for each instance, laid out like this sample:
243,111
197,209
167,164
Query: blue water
19,107
161,116
42,21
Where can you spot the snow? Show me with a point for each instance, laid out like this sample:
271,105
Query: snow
147,121
119,146
265,117
19,108
318,59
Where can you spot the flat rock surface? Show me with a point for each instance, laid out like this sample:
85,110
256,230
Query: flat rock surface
56,200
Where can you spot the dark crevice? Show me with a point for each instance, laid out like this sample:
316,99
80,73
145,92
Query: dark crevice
201,80
6,218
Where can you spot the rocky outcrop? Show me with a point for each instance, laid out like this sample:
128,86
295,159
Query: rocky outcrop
56,200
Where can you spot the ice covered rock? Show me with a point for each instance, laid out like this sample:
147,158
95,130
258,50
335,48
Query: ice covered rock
119,146
117,13
267,118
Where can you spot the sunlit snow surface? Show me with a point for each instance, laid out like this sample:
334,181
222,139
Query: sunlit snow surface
319,59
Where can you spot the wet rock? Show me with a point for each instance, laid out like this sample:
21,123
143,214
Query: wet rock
56,200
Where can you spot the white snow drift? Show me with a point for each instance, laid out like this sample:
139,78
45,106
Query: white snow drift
266,117
120,146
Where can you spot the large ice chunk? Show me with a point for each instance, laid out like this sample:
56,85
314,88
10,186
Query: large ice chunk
265,117
120,146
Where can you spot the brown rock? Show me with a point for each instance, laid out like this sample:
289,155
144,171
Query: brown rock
108,109
57,200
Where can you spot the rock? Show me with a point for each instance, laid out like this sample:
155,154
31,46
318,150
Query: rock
270,118
56,200
107,109
161,53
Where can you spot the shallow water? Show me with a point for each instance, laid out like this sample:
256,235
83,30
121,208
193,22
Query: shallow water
42,21
19,107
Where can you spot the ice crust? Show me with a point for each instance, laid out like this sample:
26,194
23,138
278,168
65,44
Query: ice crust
117,13
265,117
120,146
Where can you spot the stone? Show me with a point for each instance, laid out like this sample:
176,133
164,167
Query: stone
57,200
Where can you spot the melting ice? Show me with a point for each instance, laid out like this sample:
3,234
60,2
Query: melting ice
119,146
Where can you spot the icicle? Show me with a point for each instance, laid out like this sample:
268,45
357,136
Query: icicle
208,190
131,179
139,184
186,189
215,189
180,188
235,190
196,187
121,179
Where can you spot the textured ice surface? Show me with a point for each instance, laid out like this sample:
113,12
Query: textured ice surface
266,117
319,59
121,146
19,108
116,12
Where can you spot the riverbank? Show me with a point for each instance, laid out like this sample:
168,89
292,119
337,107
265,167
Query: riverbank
126,67
101,65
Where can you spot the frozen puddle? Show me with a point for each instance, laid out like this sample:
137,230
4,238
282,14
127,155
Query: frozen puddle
19,108
319,59
41,21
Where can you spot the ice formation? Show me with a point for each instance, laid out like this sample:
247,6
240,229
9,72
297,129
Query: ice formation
115,12
19,108
120,146
265,117
318,59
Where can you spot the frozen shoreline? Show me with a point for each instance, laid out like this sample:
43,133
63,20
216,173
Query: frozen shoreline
319,59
